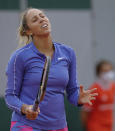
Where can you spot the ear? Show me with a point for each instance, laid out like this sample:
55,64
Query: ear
28,32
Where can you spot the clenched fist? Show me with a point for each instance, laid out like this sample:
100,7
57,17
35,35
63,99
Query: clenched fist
28,111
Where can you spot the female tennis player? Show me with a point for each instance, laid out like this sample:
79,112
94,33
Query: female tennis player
24,74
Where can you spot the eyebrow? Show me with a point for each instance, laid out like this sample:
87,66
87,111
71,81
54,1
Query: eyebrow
36,15
41,13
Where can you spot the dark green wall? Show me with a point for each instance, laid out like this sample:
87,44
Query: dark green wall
46,4
9,4
73,117
60,4
5,115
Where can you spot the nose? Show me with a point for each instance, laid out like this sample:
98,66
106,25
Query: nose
41,20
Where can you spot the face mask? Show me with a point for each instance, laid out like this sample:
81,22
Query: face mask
108,76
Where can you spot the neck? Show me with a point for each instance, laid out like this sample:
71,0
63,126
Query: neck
43,43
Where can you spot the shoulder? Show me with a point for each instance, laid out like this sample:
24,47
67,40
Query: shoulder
68,50
19,53
64,46
17,59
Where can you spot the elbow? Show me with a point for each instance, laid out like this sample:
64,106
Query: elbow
7,101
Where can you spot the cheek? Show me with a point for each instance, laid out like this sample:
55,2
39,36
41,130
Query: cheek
49,23
49,26
35,28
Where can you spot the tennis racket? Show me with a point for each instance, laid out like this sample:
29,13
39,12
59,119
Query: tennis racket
43,84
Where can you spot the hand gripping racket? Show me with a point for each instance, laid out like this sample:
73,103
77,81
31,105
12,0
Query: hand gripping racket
43,84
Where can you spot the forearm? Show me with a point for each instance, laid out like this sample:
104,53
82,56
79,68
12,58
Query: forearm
73,88
14,103
73,96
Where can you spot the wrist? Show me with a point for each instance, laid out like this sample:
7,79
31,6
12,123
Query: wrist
79,102
23,109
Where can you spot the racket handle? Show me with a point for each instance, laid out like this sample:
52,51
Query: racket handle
35,105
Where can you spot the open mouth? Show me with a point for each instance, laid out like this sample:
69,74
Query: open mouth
44,26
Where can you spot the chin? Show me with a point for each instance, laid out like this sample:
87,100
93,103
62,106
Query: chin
45,33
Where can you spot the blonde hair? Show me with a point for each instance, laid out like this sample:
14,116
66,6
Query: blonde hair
24,39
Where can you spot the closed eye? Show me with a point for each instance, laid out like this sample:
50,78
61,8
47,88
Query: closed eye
34,19
42,16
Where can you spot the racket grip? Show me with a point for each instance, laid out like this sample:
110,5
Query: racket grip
35,105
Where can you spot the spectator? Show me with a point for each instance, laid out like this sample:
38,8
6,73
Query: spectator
98,117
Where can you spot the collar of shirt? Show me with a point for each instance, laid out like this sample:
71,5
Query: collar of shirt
54,57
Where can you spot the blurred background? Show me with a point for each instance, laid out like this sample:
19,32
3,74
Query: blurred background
86,25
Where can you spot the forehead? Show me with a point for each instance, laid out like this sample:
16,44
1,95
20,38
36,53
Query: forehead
107,67
33,12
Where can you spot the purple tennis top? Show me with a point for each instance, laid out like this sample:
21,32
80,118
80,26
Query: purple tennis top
24,73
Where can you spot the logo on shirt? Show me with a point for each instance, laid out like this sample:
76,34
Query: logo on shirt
60,58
